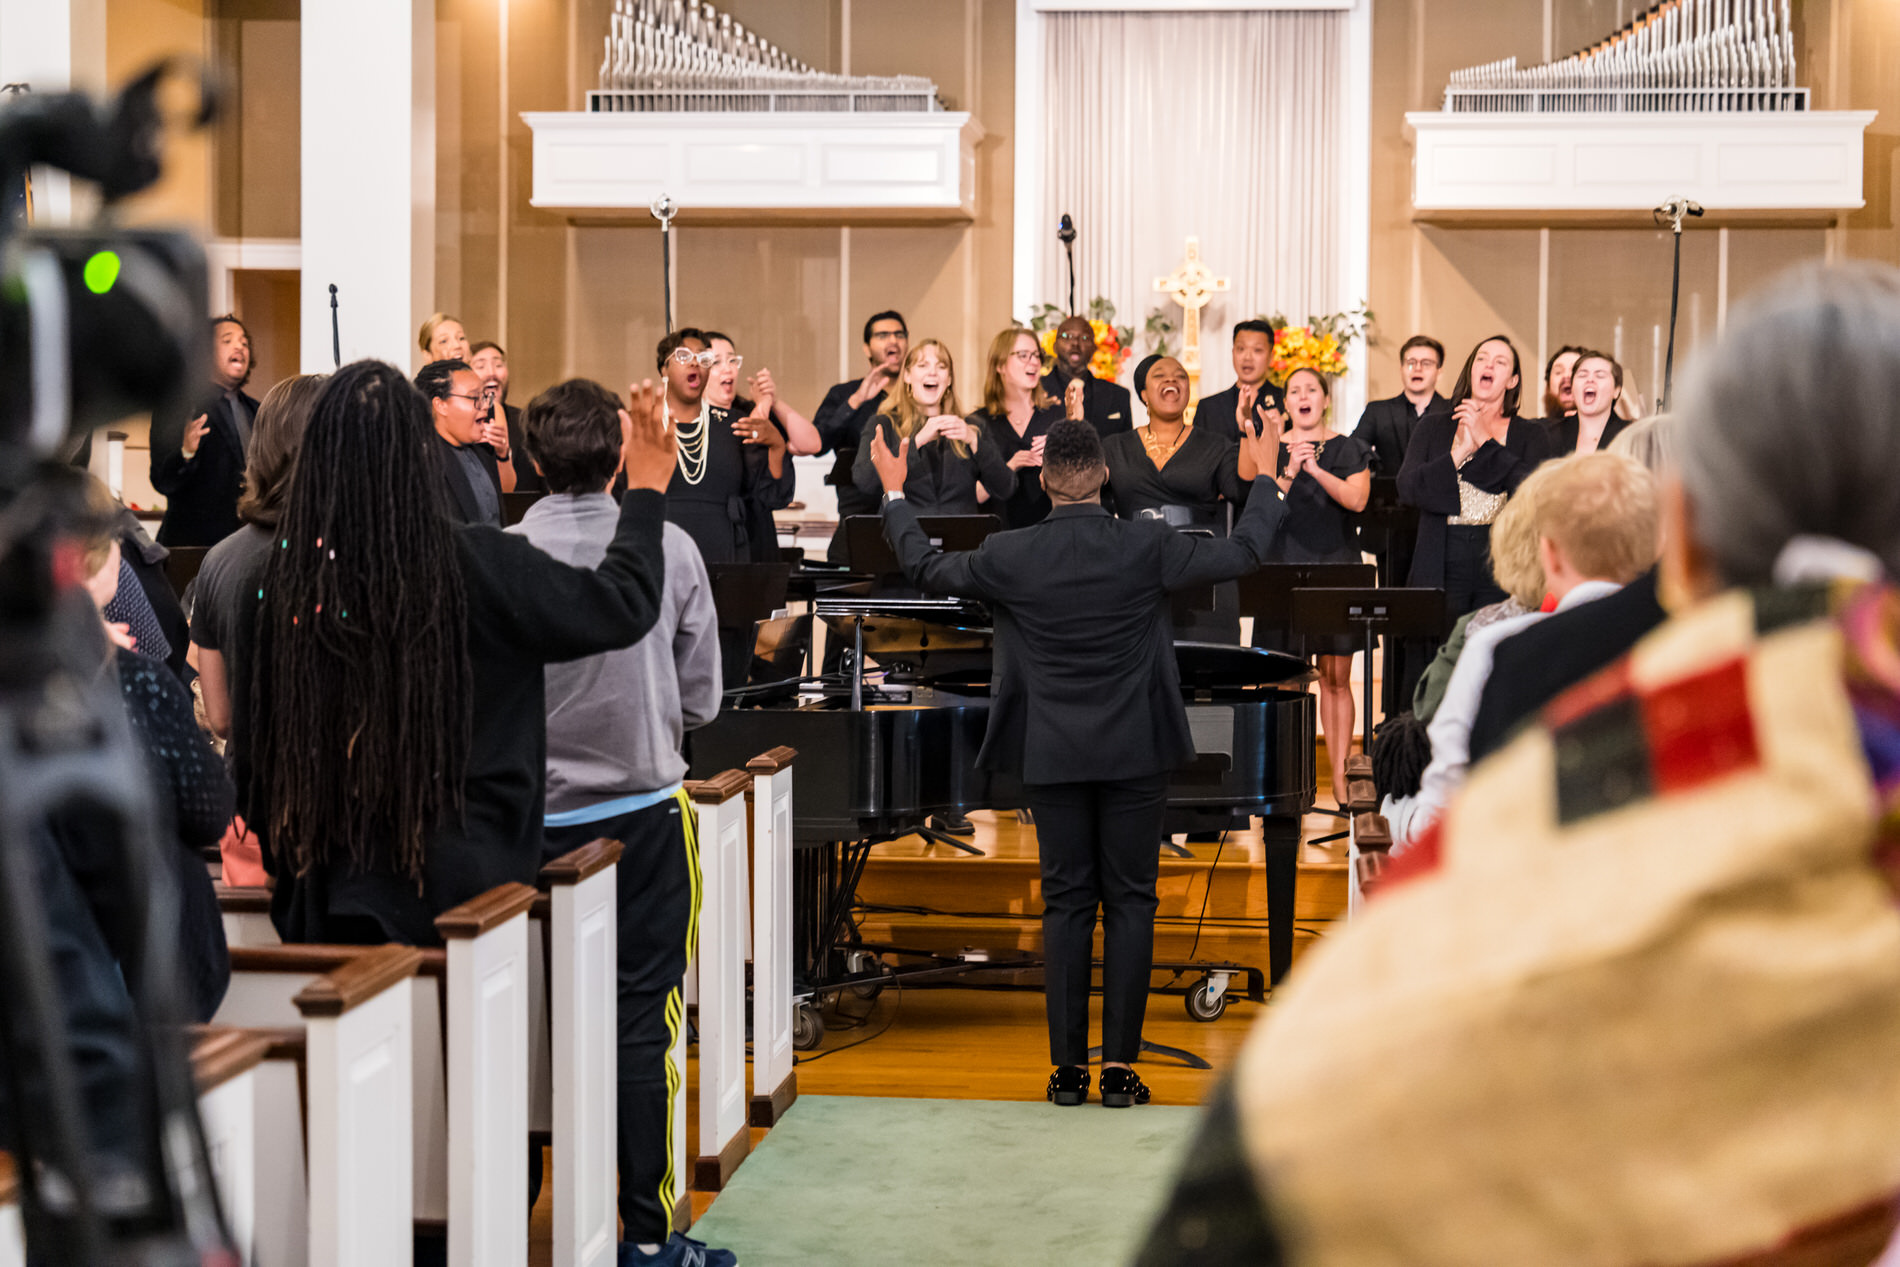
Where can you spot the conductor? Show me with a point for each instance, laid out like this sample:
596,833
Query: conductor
1086,709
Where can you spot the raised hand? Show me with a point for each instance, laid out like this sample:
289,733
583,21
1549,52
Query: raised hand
1261,444
1272,425
647,443
764,392
879,379
1245,406
758,429
495,436
892,465
195,434
1073,397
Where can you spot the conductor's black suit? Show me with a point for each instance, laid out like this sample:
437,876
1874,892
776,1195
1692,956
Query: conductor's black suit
1085,707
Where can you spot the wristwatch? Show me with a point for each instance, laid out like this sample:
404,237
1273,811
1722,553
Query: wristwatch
895,495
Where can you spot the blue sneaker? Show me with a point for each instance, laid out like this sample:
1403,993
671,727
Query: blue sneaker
680,1250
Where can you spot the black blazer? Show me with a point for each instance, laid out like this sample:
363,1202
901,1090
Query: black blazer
201,492
1536,665
1107,406
1429,481
1220,413
1387,426
941,482
1563,433
1085,686
458,499
839,427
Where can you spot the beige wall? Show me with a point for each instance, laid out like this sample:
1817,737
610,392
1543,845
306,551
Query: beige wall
1605,285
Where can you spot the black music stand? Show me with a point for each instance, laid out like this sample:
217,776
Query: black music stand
868,551
515,505
1266,594
1393,613
743,595
1385,519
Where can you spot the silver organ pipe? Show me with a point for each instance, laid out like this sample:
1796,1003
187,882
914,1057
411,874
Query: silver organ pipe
1681,55
664,55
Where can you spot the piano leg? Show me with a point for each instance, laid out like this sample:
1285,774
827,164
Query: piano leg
1281,835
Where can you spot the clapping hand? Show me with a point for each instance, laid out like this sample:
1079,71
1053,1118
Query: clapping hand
765,392
647,443
880,377
1465,441
195,434
1031,456
1302,456
1262,443
1073,397
758,429
892,465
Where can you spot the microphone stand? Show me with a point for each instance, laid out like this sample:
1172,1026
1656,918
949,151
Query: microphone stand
1676,209
336,331
664,210
1067,234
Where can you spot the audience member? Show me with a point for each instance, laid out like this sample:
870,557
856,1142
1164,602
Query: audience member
733,471
954,464
1596,384
399,709
1105,405
1016,414
198,458
1245,404
490,364
1325,478
616,723
468,472
849,407
1650,441
1460,468
1640,966
144,561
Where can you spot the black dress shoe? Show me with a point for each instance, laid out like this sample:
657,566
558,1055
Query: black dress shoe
1121,1088
951,824
1069,1085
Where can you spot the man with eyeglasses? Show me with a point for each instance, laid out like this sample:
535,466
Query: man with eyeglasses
731,472
1106,406
472,482
849,407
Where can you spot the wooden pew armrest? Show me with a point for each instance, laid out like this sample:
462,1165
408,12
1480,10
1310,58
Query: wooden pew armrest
358,981
1371,833
579,864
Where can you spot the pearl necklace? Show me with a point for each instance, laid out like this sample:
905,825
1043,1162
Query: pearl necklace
692,444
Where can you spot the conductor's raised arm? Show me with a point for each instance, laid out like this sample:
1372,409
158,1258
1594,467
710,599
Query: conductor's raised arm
1190,561
926,567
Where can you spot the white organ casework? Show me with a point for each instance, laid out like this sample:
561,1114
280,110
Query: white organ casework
1695,99
693,106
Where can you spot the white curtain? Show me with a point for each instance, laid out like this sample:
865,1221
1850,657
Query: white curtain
1222,126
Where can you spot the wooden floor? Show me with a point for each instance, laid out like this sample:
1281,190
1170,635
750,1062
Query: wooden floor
952,1042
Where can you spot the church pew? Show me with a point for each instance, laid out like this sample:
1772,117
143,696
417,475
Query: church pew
1362,797
1366,858
488,975
246,913
12,1232
724,1140
579,927
1358,766
774,1082
360,1083
224,1066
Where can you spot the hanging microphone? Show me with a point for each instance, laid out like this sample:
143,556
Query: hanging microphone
336,331
1065,231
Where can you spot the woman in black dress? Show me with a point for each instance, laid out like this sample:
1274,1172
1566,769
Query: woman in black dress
1596,384
1183,475
1016,414
1460,467
1326,478
950,456
733,469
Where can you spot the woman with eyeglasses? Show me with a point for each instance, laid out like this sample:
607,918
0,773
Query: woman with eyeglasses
759,401
1460,468
951,457
733,469
1017,412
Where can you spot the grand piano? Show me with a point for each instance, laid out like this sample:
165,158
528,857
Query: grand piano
886,747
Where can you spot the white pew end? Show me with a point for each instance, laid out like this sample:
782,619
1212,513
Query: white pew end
724,1138
774,1082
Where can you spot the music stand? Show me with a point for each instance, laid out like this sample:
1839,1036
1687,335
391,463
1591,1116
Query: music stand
1266,594
743,595
1394,613
868,551
515,505
1384,519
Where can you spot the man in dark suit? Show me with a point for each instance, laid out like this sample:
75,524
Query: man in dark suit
198,458
1531,668
1251,393
471,486
1085,659
848,407
1107,406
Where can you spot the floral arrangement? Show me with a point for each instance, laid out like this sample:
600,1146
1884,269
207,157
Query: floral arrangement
1113,344
1320,344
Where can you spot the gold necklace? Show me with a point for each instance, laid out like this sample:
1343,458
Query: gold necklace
1158,454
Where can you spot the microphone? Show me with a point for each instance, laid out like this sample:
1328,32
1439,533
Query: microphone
336,331
1676,208
1065,231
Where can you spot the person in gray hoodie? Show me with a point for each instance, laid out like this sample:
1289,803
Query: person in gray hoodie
614,770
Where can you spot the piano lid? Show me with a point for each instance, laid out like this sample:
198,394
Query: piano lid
1216,665
905,628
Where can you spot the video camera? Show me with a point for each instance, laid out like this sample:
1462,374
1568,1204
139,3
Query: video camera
95,323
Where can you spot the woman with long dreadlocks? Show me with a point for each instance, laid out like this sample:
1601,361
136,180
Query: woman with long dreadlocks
399,728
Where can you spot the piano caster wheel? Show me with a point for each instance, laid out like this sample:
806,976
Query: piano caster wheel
863,961
1203,1004
808,1027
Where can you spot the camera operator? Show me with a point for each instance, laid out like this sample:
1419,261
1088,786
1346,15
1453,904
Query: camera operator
198,458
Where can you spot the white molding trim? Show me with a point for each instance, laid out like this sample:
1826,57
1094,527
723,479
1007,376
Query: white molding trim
1187,6
1797,161
1355,204
1032,173
225,256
